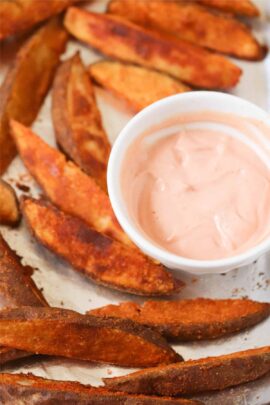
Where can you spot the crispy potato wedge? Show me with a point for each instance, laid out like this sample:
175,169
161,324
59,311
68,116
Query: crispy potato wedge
61,332
193,376
16,289
237,7
194,23
188,320
28,81
9,208
138,86
100,258
66,185
77,120
20,15
34,390
119,38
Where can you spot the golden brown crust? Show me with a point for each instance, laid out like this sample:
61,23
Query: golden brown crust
28,81
68,187
138,86
61,332
77,120
15,388
9,208
19,15
16,289
194,23
100,258
193,376
237,7
188,320
119,38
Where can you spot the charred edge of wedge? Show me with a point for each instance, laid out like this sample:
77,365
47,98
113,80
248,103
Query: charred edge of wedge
194,376
28,387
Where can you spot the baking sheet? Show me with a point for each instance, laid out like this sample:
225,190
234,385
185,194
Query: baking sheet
63,287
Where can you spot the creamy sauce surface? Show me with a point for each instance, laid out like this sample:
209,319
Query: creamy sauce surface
198,193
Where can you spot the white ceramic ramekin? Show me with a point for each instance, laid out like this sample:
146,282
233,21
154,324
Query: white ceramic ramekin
156,114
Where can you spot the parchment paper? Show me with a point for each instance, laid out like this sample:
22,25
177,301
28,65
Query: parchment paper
64,287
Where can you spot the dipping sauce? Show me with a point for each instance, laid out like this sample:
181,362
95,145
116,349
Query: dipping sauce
198,193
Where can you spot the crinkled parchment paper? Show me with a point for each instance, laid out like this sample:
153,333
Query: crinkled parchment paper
64,287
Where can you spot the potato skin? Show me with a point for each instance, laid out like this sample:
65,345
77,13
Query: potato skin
103,260
28,81
17,16
9,207
194,23
65,333
189,320
121,39
26,389
194,376
77,120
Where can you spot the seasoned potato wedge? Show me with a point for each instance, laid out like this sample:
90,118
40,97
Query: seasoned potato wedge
194,23
66,185
36,391
188,320
77,120
9,208
138,86
192,376
119,38
28,81
61,332
19,15
103,260
237,7
16,289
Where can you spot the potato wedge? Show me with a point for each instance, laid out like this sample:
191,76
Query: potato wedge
61,178
237,7
34,390
9,208
28,81
100,258
138,86
194,23
193,376
16,289
188,320
77,120
119,38
61,332
20,15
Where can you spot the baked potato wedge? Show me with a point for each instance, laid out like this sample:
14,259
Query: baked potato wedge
65,333
189,320
9,207
238,7
103,260
121,39
193,376
17,16
66,185
28,81
194,23
77,120
16,289
34,390
138,86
